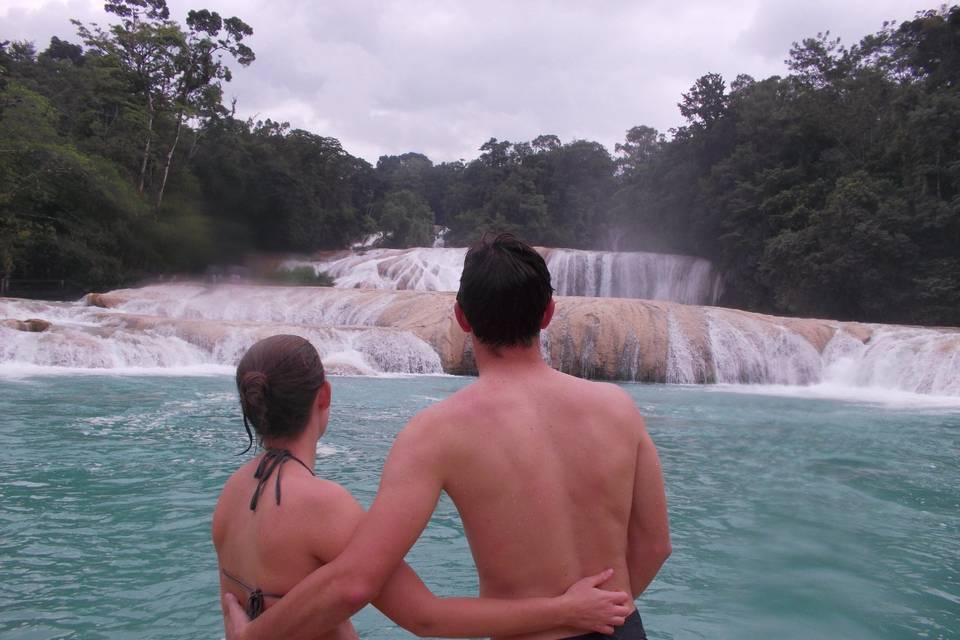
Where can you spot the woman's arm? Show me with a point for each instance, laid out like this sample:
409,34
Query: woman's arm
407,601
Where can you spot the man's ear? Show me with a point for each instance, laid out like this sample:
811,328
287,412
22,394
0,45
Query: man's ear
548,314
461,318
324,395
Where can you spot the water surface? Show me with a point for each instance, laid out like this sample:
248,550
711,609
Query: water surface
791,517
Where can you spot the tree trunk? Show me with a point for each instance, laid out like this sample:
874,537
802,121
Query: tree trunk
166,169
146,149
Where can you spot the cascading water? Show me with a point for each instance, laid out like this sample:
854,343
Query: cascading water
603,274
910,358
684,364
308,306
650,276
369,331
185,335
748,351
440,237
420,269
740,349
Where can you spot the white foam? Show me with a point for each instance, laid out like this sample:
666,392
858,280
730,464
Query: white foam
890,398
914,359
326,450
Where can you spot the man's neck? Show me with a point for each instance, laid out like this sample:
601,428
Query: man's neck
507,361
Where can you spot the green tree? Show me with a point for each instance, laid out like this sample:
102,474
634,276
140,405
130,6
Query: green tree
199,72
406,219
642,145
143,45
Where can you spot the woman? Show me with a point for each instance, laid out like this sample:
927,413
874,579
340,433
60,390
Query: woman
270,532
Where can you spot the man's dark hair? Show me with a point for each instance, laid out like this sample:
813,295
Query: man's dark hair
504,290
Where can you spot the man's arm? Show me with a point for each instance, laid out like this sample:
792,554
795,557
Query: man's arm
409,603
409,489
648,534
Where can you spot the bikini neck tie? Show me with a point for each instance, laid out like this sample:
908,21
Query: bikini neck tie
272,459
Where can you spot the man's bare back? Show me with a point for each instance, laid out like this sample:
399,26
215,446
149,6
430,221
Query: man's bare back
541,467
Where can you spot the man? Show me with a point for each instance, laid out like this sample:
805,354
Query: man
554,477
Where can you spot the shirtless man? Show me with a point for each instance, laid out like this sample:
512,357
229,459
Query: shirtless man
554,477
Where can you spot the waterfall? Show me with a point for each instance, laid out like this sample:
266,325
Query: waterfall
212,330
604,274
910,358
747,350
372,332
440,237
650,276
685,364
419,269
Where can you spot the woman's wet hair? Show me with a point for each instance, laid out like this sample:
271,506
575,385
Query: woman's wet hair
278,379
504,290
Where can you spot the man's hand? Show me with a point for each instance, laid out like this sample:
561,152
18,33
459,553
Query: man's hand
235,619
593,609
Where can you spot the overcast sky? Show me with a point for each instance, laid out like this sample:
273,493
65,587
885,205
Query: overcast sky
442,77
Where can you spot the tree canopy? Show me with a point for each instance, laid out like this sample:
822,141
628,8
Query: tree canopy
833,190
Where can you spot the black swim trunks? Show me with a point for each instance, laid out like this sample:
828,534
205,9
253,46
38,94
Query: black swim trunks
632,629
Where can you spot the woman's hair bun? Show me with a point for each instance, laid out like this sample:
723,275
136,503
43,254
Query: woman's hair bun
254,397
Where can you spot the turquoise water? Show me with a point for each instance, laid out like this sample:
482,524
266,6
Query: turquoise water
791,518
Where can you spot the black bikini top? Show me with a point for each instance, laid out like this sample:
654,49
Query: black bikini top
272,459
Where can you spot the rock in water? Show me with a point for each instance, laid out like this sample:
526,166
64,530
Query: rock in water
31,325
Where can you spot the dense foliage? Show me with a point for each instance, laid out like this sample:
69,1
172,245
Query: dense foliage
832,191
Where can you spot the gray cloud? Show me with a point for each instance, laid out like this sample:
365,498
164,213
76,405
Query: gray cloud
443,77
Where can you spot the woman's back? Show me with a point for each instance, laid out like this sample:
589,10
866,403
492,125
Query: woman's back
274,546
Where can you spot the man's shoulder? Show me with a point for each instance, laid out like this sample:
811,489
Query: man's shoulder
606,393
437,428
607,399
440,413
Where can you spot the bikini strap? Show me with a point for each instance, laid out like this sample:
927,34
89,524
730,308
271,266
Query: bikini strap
255,596
272,459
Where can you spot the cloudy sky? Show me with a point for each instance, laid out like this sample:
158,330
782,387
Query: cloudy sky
442,77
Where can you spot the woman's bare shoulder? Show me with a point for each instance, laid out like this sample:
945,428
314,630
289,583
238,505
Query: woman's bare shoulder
318,493
230,499
321,513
